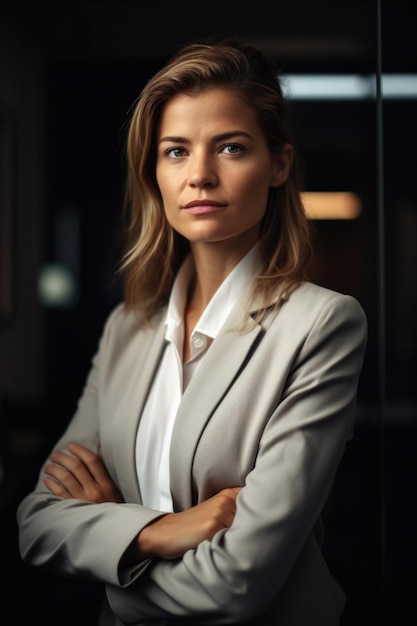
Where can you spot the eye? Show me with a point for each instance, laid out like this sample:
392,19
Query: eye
233,148
175,153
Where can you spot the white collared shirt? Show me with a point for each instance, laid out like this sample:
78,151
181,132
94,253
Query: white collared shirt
158,417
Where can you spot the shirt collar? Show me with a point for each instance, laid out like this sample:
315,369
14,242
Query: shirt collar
221,304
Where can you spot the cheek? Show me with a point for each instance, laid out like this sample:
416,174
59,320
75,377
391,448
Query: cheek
169,183
170,207
160,182
165,191
254,187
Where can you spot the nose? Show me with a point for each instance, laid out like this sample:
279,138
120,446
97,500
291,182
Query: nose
202,172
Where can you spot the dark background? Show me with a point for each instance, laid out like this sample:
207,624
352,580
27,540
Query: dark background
68,74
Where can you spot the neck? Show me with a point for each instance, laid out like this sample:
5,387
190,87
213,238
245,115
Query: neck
213,263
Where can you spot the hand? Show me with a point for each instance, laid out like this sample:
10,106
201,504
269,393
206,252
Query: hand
168,537
82,475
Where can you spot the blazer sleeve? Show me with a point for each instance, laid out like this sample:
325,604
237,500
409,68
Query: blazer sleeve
241,570
61,535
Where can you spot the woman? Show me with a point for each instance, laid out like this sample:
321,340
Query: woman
192,477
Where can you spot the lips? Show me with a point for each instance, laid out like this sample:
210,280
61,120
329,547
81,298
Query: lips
195,203
202,207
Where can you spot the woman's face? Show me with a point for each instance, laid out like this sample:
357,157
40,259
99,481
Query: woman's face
214,169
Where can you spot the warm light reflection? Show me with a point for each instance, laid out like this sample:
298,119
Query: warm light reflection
331,205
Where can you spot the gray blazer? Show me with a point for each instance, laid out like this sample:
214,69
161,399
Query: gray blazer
269,409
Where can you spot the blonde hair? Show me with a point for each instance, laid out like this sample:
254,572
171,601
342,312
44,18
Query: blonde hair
154,251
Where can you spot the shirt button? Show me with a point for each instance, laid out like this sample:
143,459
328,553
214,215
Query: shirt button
199,341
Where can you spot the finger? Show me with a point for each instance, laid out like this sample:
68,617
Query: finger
92,460
65,478
57,489
231,492
72,464
82,452
71,473
96,481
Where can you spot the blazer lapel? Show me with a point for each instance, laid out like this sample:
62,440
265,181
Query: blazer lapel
145,351
211,381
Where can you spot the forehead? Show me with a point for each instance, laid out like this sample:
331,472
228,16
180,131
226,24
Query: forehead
209,107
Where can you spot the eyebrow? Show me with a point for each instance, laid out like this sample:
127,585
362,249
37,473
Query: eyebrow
232,134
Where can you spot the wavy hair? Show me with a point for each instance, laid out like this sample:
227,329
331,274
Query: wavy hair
154,251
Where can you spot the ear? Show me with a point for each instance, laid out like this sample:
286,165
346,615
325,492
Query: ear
282,165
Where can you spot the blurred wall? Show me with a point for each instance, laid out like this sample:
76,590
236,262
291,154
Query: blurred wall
22,125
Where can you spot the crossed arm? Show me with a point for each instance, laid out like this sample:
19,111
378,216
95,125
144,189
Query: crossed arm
83,475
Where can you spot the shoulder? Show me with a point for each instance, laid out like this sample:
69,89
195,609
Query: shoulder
317,297
314,298
311,307
127,340
123,324
329,312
